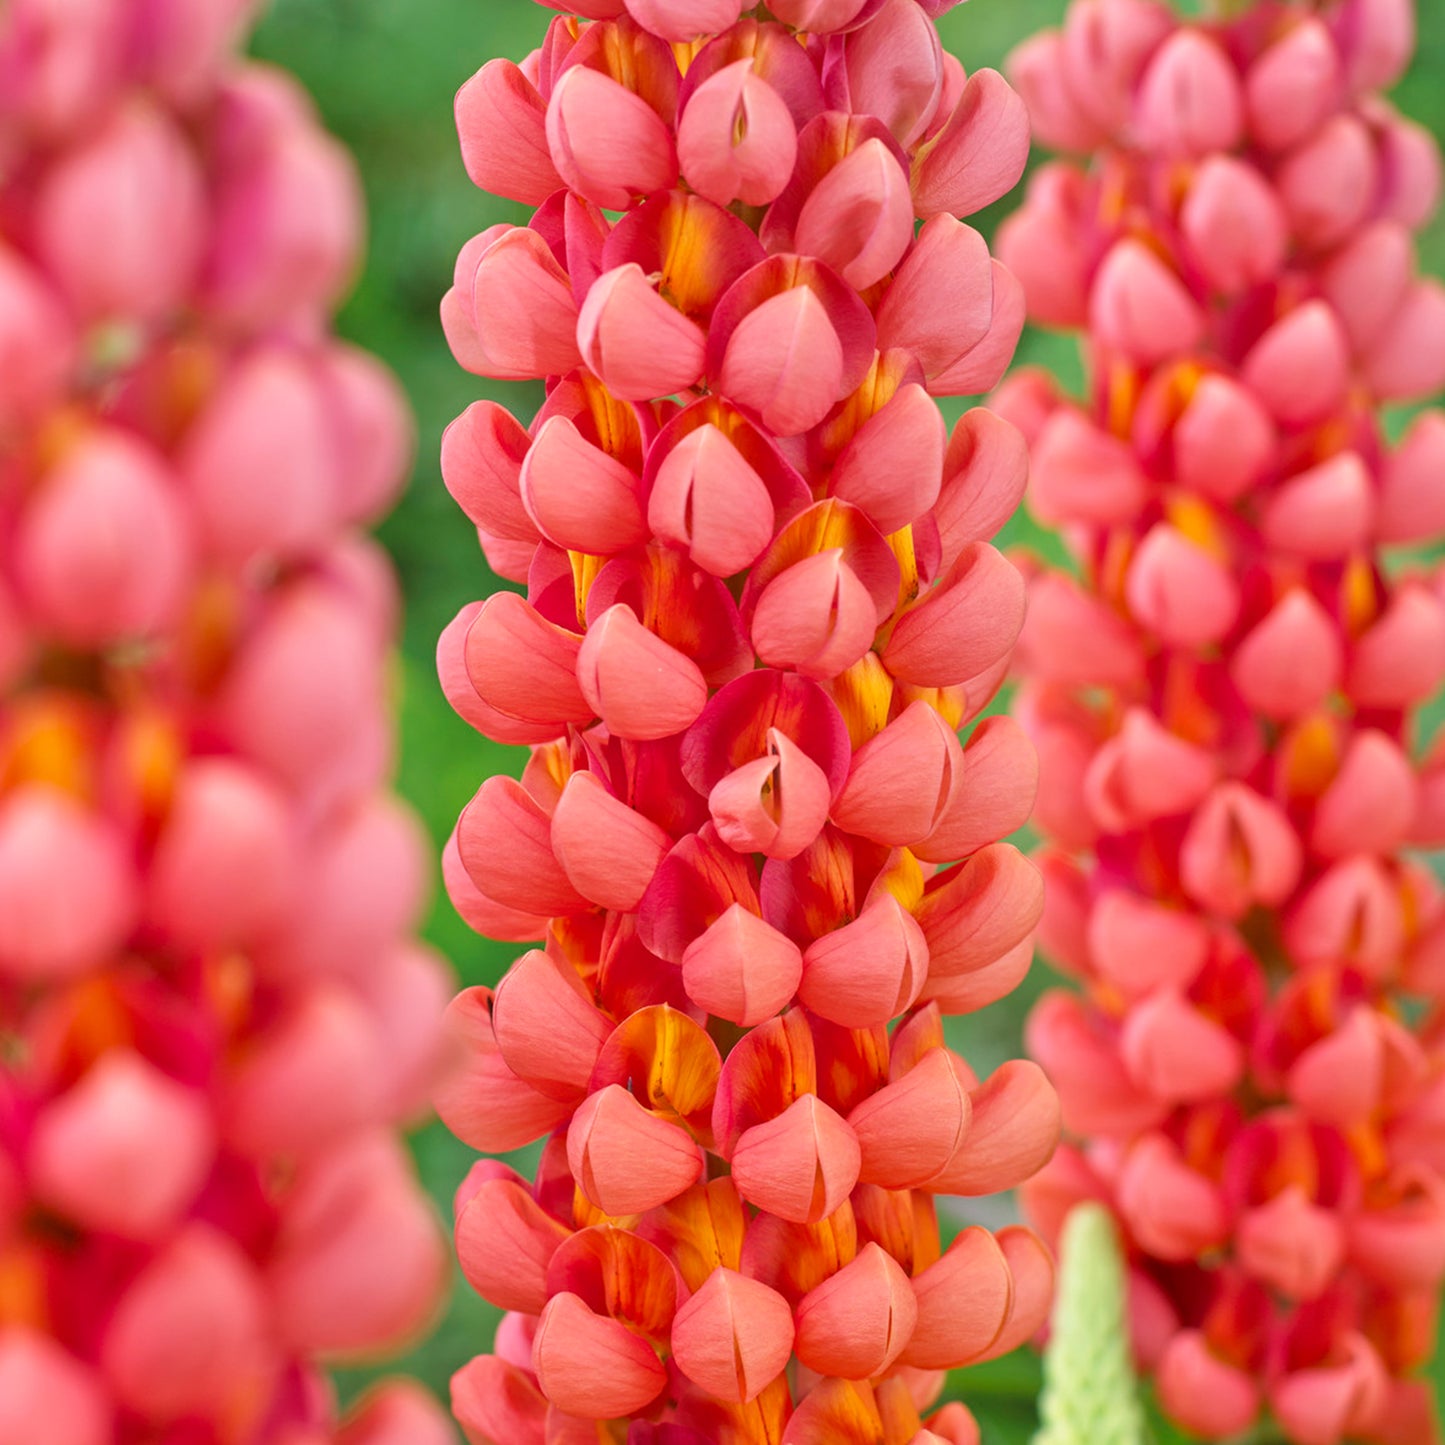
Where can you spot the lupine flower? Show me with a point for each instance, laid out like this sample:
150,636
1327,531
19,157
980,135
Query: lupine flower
759,604
211,1006
1224,700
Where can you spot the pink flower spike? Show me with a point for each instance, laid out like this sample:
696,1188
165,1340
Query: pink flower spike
869,969
519,302
1406,361
1171,1210
858,1321
892,468
1330,182
625,1159
1368,280
963,1302
1378,40
1400,661
1409,506
607,143
736,140
1235,225
523,666
639,345
817,617
502,124
1371,804
912,1129
1300,367
742,969
1324,513
679,20
1014,1132
1291,1245
801,1165
608,850
1177,1053
733,1337
1224,440
505,843
775,805
978,155
1294,87
1292,660
1142,307
634,681
546,1027
593,1366
895,70
859,218
1202,1392
1081,474
495,1403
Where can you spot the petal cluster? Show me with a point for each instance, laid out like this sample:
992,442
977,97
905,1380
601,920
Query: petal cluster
1225,696
213,1014
757,604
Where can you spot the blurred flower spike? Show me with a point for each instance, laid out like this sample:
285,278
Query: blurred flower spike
1225,698
213,1015
759,603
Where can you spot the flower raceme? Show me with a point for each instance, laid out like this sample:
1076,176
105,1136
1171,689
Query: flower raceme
212,1012
759,604
1225,699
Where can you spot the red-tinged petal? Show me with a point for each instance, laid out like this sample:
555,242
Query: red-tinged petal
1339,1078
693,887
1291,1245
1406,362
775,805
591,1366
999,784
1329,183
974,914
67,897
639,345
817,616
941,301
504,840
1190,102
1294,86
46,1393
984,474
801,1165
1202,1392
1141,307
1176,1052
547,1029
840,1412
1325,1404
868,971
1015,1130
479,1098
1291,661
1299,368
607,143
502,125
1171,1210
1353,914
1224,440
1145,772
1410,506
578,496
684,19
1235,225
893,468
967,993
482,455
524,666
1402,1246
785,363
1137,945
910,1130
978,155
733,1337
821,16
964,1300
617,1273
902,779
859,218
1082,474
984,366
962,626
1097,1093
953,1425
1368,279
504,1242
1074,638
710,501
1179,591
1032,1269
482,914
1324,513
736,140
1240,850
1399,662
1371,804
769,1069
520,303
855,1324
625,1159
638,685
608,851
894,70
742,969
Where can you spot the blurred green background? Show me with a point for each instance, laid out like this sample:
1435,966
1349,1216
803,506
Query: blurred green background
383,73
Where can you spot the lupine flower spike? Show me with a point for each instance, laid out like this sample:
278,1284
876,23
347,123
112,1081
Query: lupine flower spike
1090,1395
213,1014
1225,699
759,603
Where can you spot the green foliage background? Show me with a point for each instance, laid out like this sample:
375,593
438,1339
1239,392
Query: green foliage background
383,73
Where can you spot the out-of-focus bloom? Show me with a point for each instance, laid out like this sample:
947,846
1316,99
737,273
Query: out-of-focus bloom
759,604
1224,701
212,1011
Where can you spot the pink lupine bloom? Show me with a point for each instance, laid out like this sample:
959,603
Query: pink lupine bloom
213,1010
759,604
1224,700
